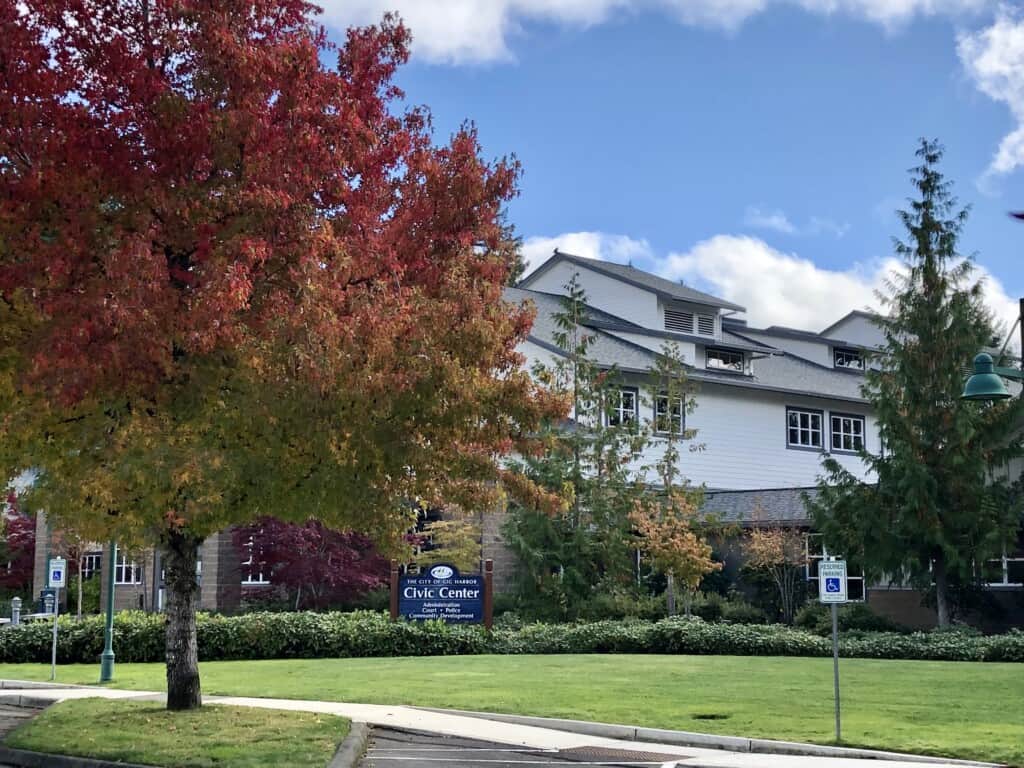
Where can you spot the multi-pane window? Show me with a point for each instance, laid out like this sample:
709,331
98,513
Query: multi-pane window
848,358
126,571
253,572
1006,571
724,360
803,428
668,415
623,408
815,552
847,432
91,564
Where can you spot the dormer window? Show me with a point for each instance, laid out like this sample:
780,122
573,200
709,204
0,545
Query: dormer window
692,323
852,359
723,360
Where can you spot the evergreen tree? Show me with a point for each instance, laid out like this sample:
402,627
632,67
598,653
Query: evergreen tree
932,512
589,461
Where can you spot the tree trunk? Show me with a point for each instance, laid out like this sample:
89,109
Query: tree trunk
179,561
670,593
941,589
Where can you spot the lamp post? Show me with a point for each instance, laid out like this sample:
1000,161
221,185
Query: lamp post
986,383
107,657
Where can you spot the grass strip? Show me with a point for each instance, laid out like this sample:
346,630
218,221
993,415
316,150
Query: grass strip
147,733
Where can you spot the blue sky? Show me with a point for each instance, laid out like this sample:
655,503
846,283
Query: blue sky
755,149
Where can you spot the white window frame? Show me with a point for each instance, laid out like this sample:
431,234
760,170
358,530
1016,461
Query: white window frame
1004,569
125,569
249,578
663,411
852,354
811,414
618,412
811,560
92,562
724,367
846,420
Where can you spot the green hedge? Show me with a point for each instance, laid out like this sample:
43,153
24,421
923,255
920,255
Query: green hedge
139,637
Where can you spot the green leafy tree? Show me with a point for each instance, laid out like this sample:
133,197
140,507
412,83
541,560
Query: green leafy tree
589,462
933,513
667,519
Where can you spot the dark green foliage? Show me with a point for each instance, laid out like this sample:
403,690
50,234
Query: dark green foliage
139,637
934,511
564,557
817,618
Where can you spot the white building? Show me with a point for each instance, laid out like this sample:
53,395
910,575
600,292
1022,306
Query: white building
770,402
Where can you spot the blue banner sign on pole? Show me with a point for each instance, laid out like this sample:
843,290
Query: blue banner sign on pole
441,592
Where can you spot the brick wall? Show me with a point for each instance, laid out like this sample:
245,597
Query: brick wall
221,588
495,548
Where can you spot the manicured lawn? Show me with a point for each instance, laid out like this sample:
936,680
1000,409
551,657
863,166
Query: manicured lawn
956,709
144,732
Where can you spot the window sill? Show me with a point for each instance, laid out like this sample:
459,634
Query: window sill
806,448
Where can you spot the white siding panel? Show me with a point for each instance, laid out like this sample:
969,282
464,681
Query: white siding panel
606,293
808,350
744,437
858,330
688,350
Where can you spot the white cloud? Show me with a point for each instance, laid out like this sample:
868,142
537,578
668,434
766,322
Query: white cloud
777,221
993,58
777,288
591,245
459,31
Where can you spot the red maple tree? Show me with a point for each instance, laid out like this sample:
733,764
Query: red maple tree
234,279
17,550
315,566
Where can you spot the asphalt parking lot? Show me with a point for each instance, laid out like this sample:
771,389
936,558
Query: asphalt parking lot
403,749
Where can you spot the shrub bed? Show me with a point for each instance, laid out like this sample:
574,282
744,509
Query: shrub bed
139,637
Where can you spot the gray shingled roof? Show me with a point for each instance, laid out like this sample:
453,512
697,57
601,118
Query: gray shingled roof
775,373
770,505
637,277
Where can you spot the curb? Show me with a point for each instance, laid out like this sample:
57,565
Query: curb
28,685
26,759
29,702
712,741
351,749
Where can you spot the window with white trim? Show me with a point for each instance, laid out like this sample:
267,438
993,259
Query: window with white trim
669,417
852,359
623,408
91,564
815,552
126,571
847,432
723,360
253,567
1006,571
803,428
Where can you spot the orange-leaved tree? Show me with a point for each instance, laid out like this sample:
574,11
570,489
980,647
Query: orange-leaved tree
671,529
237,281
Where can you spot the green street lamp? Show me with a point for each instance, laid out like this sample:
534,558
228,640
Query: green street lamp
986,383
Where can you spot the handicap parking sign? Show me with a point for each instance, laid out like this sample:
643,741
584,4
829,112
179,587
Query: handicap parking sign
832,581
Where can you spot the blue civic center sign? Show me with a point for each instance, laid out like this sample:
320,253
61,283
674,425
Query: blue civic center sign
441,592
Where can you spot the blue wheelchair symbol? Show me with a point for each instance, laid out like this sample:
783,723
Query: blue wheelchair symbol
832,585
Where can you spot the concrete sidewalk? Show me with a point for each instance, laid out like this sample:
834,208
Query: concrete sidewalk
532,736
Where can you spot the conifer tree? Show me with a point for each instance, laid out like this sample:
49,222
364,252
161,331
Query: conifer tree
931,511
589,461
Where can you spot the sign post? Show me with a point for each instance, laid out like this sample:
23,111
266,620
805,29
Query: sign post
832,592
57,578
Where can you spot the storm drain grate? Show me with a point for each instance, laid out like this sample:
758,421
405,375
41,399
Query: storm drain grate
629,755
